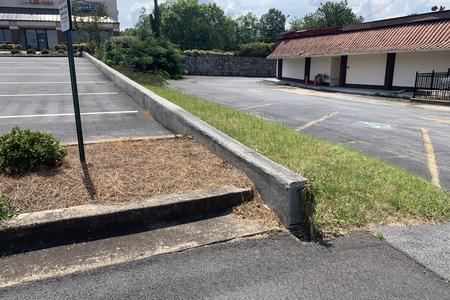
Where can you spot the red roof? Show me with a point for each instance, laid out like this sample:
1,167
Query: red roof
411,37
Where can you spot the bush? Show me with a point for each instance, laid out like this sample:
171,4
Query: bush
31,51
60,47
148,55
15,51
61,51
45,51
256,49
27,151
81,47
6,46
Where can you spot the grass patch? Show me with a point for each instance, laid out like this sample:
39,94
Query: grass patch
6,211
352,190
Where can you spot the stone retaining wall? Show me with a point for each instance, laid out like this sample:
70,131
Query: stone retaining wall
229,65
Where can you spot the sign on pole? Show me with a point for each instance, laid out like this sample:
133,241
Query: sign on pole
66,26
64,13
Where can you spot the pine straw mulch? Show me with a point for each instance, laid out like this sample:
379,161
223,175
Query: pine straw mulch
122,171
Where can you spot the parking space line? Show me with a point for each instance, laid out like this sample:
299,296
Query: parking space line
66,94
309,124
71,114
45,74
445,121
47,68
431,157
52,82
256,106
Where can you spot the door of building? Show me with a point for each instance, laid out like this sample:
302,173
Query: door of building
42,39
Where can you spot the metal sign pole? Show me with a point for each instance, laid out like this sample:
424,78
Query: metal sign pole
66,25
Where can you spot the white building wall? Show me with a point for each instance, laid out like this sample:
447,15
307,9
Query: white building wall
407,64
366,69
320,65
294,68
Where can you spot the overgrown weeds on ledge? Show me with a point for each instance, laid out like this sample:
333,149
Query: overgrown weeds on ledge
351,189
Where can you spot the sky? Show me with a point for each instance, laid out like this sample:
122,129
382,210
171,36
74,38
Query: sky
369,9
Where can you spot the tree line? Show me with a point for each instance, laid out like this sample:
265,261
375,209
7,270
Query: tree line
205,26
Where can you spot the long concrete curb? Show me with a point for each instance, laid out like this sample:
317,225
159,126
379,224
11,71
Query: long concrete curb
280,187
30,230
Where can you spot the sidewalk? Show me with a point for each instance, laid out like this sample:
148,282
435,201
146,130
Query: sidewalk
345,90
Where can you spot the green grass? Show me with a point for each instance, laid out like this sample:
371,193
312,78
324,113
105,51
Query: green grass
6,212
352,190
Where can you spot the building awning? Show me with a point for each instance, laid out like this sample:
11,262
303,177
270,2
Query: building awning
422,36
43,18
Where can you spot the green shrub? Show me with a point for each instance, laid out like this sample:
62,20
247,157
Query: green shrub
6,46
61,51
256,49
31,51
15,51
81,47
6,211
45,51
60,47
148,55
27,151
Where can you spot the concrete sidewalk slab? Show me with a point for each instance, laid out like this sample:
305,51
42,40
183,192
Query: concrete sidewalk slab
346,90
429,245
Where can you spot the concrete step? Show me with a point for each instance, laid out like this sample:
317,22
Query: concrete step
69,259
38,230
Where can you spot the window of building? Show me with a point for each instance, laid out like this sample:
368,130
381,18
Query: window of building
5,36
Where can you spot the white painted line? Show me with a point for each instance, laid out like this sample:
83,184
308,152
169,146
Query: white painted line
40,62
309,124
51,82
71,114
257,106
68,94
45,74
47,68
431,157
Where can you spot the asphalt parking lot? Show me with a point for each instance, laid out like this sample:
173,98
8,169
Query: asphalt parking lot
35,93
399,133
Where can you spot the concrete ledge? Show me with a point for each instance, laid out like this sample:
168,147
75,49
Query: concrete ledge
431,101
280,187
53,227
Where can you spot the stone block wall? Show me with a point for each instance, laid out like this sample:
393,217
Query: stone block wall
229,65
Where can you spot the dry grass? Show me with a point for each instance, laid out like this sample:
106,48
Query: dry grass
258,211
121,172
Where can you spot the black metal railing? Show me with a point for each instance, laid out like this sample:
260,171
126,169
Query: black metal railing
434,85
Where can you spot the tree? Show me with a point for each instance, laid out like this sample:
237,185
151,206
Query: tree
87,24
330,14
271,24
155,20
296,24
193,25
247,29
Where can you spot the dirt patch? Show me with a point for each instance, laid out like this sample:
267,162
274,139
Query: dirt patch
120,172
